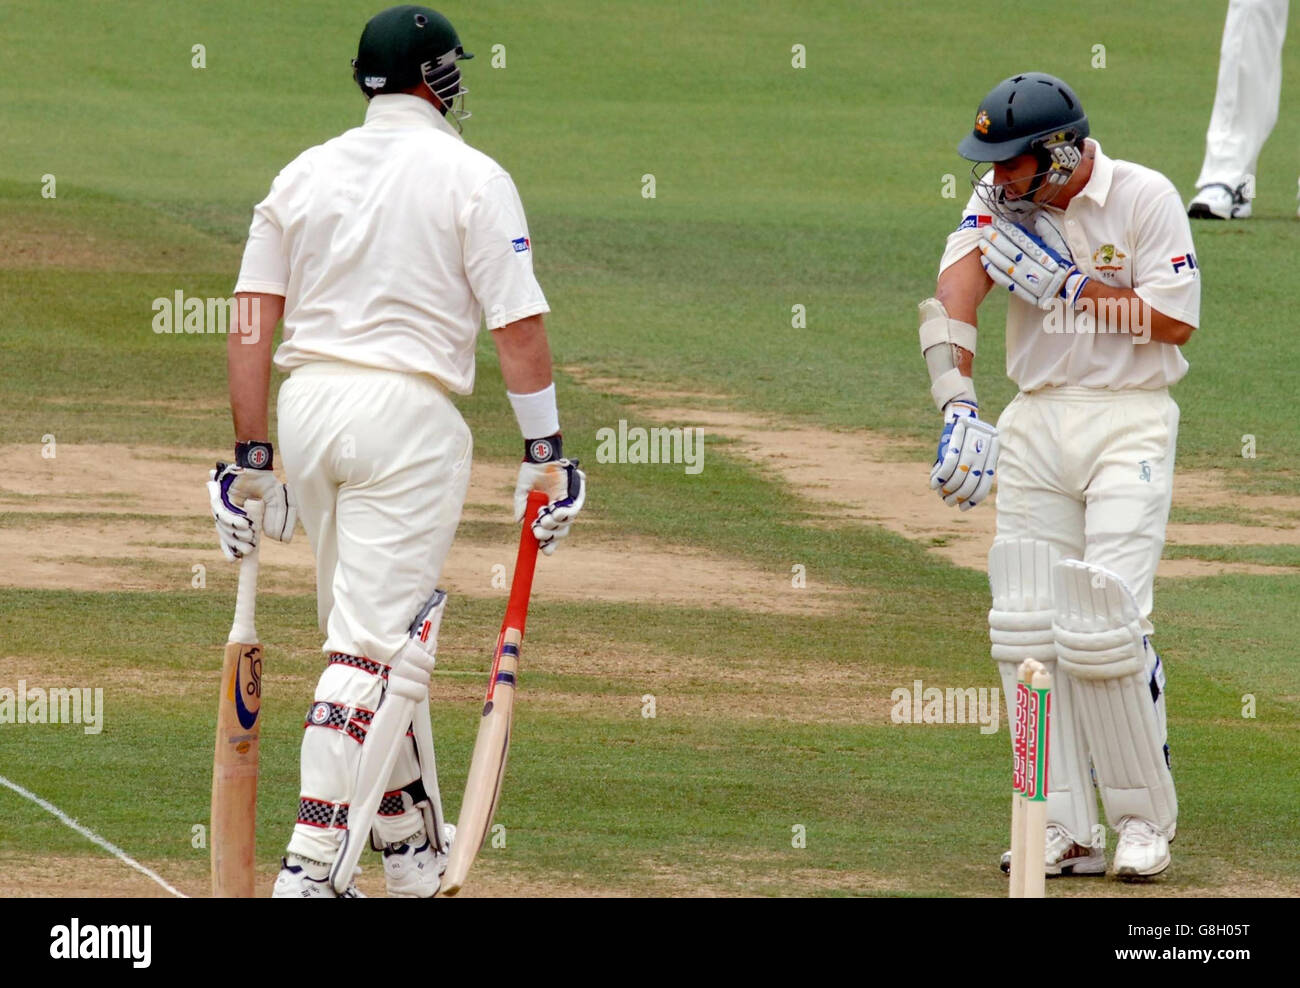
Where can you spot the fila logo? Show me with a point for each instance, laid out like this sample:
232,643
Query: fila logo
1187,261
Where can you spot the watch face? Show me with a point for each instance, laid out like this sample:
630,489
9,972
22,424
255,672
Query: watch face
258,457
541,450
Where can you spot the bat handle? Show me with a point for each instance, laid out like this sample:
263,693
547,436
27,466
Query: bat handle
525,562
537,500
243,629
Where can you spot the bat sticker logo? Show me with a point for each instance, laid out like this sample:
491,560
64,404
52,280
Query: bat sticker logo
248,687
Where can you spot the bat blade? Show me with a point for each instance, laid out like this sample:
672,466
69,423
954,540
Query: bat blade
487,766
236,756
234,772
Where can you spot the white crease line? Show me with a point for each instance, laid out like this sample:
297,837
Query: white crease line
90,835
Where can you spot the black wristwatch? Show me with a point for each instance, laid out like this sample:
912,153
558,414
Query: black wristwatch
255,455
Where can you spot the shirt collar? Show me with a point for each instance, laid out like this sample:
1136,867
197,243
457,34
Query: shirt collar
406,110
1098,184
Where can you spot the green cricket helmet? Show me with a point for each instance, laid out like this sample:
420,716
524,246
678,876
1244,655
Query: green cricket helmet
1032,113
403,46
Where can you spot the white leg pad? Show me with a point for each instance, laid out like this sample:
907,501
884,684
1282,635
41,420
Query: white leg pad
1119,692
405,699
1020,627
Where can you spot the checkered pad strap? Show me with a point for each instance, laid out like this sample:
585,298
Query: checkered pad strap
358,662
322,813
340,717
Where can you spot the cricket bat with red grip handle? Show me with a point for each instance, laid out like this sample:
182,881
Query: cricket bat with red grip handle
487,766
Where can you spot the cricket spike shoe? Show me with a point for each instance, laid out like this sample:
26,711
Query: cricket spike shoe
1062,855
1142,851
302,878
1219,202
413,868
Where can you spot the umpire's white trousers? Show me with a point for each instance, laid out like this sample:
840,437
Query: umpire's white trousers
380,462
1249,86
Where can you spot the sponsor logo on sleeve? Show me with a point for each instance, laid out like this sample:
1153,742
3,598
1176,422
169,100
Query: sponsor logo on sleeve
974,222
521,244
1187,261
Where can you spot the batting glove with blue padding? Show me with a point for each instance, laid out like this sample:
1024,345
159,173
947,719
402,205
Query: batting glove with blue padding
1036,266
964,468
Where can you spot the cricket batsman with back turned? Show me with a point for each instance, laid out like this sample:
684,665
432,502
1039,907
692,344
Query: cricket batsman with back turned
384,249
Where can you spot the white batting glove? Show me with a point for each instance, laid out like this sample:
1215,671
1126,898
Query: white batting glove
967,460
1037,266
230,485
565,486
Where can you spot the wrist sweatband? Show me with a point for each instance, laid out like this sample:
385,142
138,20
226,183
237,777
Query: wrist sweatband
536,413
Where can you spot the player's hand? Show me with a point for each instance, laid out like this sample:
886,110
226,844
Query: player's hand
1036,265
967,459
229,487
564,485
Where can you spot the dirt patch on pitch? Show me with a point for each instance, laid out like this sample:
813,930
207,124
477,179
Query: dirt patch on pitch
59,877
870,478
104,517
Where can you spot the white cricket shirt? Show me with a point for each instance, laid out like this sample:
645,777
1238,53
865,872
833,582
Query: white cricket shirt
1127,228
389,243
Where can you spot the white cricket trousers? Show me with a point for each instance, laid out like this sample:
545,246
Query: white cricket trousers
1248,90
1091,471
379,462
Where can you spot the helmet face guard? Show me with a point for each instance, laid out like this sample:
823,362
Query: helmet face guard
442,76
1058,155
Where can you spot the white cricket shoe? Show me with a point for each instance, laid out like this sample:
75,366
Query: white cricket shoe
412,867
1219,202
1141,851
1063,856
302,878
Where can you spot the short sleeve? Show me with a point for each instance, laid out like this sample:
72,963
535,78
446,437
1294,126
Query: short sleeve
966,237
265,268
498,254
1165,271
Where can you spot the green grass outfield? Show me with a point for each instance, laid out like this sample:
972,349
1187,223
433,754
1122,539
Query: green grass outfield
820,187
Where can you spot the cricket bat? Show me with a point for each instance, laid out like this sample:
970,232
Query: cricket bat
234,763
487,767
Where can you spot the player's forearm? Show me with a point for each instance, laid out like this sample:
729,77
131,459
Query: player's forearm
525,355
961,288
1137,313
248,363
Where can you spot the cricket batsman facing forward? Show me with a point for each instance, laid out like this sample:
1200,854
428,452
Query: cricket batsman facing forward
1097,256
383,249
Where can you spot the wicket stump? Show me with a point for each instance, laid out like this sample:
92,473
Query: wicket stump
1029,780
